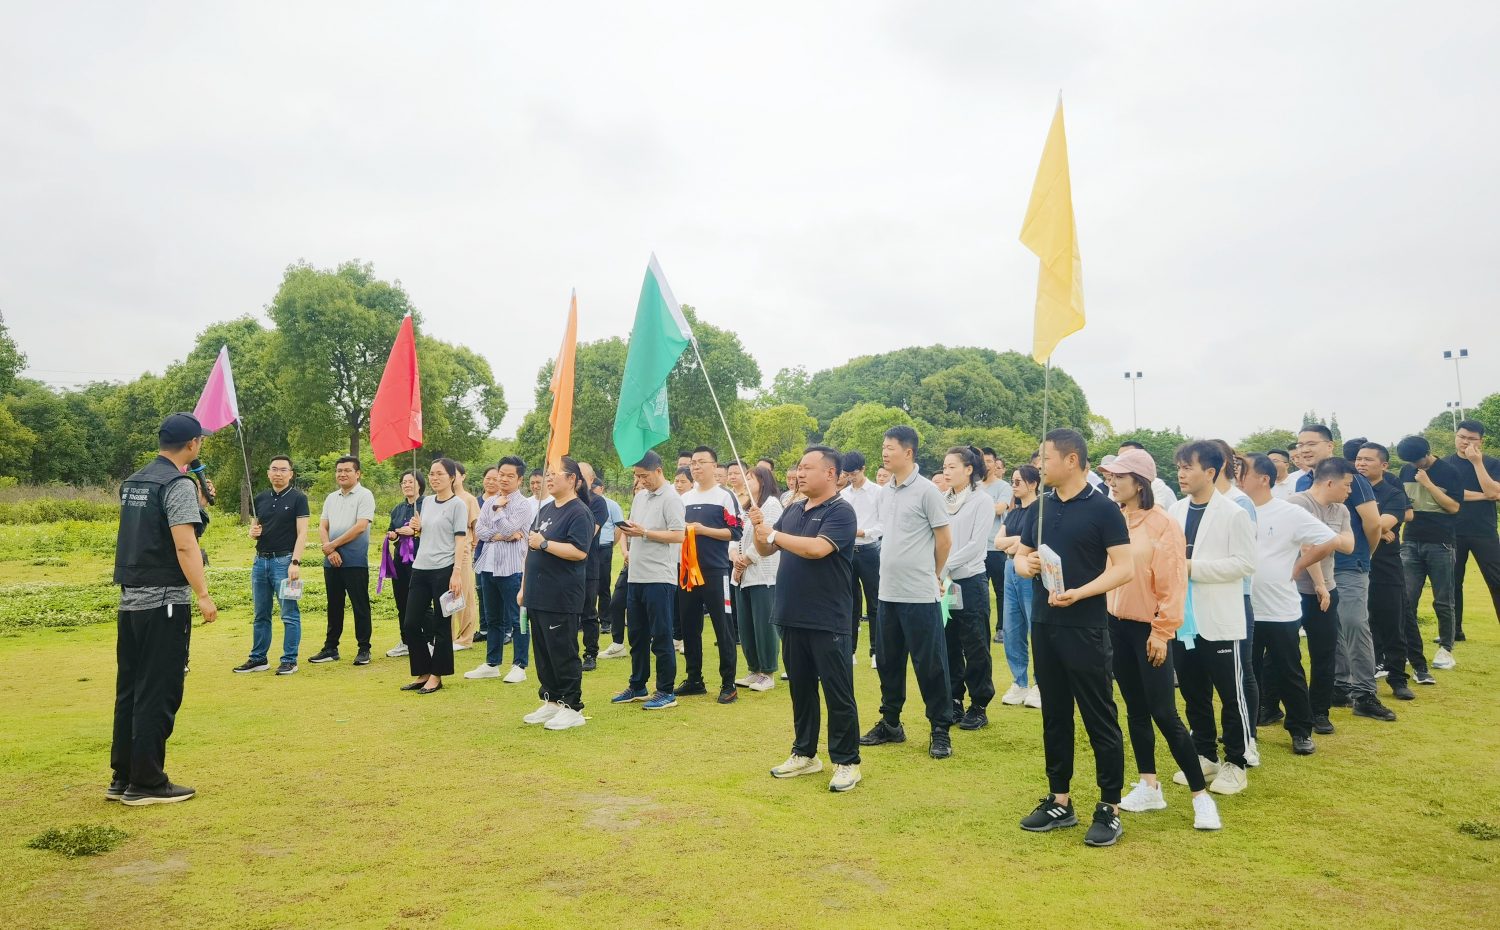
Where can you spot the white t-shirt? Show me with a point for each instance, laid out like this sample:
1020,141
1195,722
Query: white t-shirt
1282,530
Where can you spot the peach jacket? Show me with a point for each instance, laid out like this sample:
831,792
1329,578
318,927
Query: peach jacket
1157,593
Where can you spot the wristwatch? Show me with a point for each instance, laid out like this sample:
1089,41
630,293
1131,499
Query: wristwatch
771,539
296,561
543,546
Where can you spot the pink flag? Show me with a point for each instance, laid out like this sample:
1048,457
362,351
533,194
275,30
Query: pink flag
218,407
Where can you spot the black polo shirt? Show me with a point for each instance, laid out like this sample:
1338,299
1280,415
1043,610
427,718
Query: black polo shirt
1081,531
1475,518
1385,564
278,515
817,594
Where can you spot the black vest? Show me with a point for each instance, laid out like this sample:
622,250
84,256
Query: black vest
145,555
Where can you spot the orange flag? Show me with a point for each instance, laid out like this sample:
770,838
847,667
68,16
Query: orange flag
561,420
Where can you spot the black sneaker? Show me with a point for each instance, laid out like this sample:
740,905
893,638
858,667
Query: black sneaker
1106,828
116,789
590,663
1342,699
1270,716
999,636
1403,692
1459,637
975,719
729,695
691,687
1322,725
481,637
1372,708
1303,745
1424,677
362,657
941,746
509,637
325,655
883,732
166,794
287,668
250,665
1049,815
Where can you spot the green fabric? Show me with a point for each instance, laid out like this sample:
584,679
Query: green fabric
657,339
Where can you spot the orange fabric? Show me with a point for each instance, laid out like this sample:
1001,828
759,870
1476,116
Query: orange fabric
1159,589
690,576
560,422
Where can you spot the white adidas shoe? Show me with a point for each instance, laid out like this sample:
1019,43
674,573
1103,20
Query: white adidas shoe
566,718
515,676
542,714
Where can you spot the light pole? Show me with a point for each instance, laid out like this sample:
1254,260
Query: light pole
1135,419
1456,356
1454,410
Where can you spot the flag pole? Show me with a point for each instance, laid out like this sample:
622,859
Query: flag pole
714,395
245,457
1042,490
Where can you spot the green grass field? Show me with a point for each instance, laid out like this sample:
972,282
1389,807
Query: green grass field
330,799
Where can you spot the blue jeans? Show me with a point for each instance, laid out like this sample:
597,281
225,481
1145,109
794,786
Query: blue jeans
1018,593
502,615
265,579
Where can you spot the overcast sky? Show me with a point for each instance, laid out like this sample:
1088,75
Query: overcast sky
1281,207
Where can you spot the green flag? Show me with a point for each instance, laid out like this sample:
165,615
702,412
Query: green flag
660,334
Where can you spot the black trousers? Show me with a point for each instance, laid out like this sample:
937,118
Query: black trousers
1486,552
1072,666
813,657
915,630
994,567
151,648
425,626
1213,666
691,606
1387,616
355,582
1278,658
970,667
1322,644
866,584
1150,701
1250,696
401,585
601,593
616,608
559,670
598,567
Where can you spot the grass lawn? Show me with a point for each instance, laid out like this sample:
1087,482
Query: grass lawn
330,799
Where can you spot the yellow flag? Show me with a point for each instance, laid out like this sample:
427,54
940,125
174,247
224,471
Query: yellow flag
1050,232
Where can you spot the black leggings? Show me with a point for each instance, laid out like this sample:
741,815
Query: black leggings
425,624
1150,699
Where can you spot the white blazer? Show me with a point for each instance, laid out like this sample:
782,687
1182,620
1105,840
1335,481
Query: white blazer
1223,556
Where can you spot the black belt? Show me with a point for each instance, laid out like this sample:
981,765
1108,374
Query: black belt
271,555
873,545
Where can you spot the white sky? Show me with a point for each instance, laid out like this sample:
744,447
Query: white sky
1280,207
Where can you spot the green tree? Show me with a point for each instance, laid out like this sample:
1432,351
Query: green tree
12,359
1160,443
1014,446
862,428
1266,439
16,444
788,386
461,402
61,450
779,433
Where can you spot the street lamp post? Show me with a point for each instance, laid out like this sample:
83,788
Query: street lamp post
1454,411
1135,419
1456,356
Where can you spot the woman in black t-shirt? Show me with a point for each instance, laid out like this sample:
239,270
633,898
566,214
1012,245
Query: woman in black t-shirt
553,591
1024,481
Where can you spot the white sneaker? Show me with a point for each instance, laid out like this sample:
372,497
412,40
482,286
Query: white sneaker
1210,770
483,670
1034,697
397,651
872,661
615,651
1206,813
854,660
844,777
761,682
1143,797
566,718
1443,659
1252,754
515,676
542,714
783,676
460,647
677,644
797,765
745,681
1230,780
1015,695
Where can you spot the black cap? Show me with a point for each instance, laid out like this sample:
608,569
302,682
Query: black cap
179,428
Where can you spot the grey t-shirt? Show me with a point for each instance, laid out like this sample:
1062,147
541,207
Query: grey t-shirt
909,512
442,523
1000,492
656,562
342,511
181,504
1336,517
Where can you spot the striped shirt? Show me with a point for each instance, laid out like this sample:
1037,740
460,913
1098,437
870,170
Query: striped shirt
503,559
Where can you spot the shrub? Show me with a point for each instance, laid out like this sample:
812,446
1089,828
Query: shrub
84,839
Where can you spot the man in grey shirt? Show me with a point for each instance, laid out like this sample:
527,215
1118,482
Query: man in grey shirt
344,530
912,554
657,519
1332,481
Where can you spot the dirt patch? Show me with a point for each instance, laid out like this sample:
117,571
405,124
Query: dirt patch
617,813
152,872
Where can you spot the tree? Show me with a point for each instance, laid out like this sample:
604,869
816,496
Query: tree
789,386
334,332
1160,443
779,433
1266,439
1014,446
16,444
61,449
12,359
862,428
461,402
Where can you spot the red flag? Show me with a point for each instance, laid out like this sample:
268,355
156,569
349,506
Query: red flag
396,414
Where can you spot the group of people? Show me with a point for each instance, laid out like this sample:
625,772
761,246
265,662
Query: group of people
1101,579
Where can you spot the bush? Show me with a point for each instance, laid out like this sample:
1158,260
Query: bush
52,510
84,839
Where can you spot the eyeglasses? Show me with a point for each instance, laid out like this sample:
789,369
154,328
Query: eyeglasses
279,471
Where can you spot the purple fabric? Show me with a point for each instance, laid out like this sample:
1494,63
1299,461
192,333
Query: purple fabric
387,567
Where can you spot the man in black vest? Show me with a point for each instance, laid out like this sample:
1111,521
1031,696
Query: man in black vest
158,567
